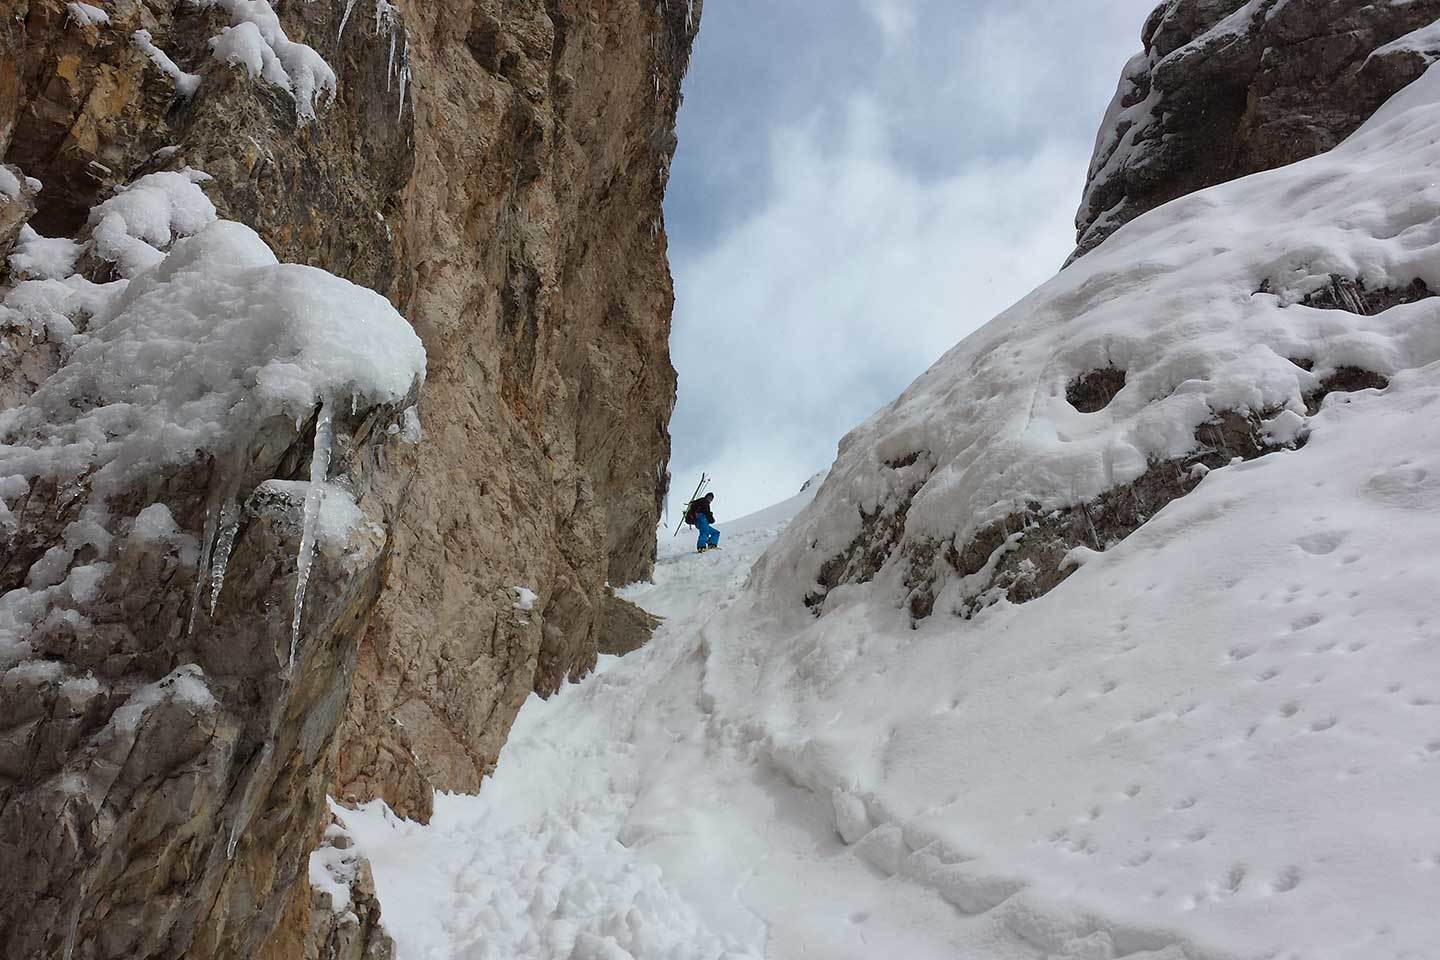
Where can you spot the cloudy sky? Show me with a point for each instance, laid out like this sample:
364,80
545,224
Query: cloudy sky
860,184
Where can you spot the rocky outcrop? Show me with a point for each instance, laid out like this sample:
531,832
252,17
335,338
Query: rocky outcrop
17,206
338,917
1226,88
624,627
496,169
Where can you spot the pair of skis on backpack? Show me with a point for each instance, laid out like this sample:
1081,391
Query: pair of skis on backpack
694,504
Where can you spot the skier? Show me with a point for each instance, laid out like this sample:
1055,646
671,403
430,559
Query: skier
699,514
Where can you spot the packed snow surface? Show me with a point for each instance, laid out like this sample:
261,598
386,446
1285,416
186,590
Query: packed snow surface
1220,738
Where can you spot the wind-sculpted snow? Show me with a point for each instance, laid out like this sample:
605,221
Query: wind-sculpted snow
1199,303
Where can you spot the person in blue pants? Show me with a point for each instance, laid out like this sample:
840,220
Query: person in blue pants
701,515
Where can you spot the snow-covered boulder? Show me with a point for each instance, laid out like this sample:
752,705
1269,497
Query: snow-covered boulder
17,205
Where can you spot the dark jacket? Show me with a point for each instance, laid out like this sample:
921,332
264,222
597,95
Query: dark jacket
696,510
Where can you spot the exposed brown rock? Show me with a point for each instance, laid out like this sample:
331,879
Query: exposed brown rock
315,927
1356,296
1094,391
625,627
497,169
1022,557
540,287
1226,88
14,213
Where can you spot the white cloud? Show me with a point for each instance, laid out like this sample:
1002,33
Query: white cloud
822,307
896,19
846,213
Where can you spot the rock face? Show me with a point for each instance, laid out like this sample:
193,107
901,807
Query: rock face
1226,88
540,286
496,169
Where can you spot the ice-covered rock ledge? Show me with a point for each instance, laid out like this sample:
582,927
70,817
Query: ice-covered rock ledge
190,537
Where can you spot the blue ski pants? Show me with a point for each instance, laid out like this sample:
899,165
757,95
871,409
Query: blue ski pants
709,536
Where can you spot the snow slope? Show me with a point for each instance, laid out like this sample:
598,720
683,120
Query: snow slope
1220,738
1199,302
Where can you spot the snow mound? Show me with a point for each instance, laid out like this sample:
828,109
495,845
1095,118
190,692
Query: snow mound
43,258
86,14
134,227
1200,308
256,41
191,355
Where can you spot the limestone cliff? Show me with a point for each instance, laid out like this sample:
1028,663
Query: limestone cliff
1226,88
496,169
537,277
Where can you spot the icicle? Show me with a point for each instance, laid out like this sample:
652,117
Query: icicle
384,15
390,67
247,799
229,524
404,77
75,916
349,6
207,542
319,472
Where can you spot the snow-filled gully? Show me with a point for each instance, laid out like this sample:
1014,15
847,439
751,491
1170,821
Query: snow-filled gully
1218,738
1129,767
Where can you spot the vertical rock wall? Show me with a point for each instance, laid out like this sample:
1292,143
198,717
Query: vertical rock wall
496,168
537,276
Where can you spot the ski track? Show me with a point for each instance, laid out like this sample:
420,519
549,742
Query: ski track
626,813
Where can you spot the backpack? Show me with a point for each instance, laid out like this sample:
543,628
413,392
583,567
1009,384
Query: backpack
690,512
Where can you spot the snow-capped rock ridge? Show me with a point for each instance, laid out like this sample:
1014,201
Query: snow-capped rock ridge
1225,88
1212,308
